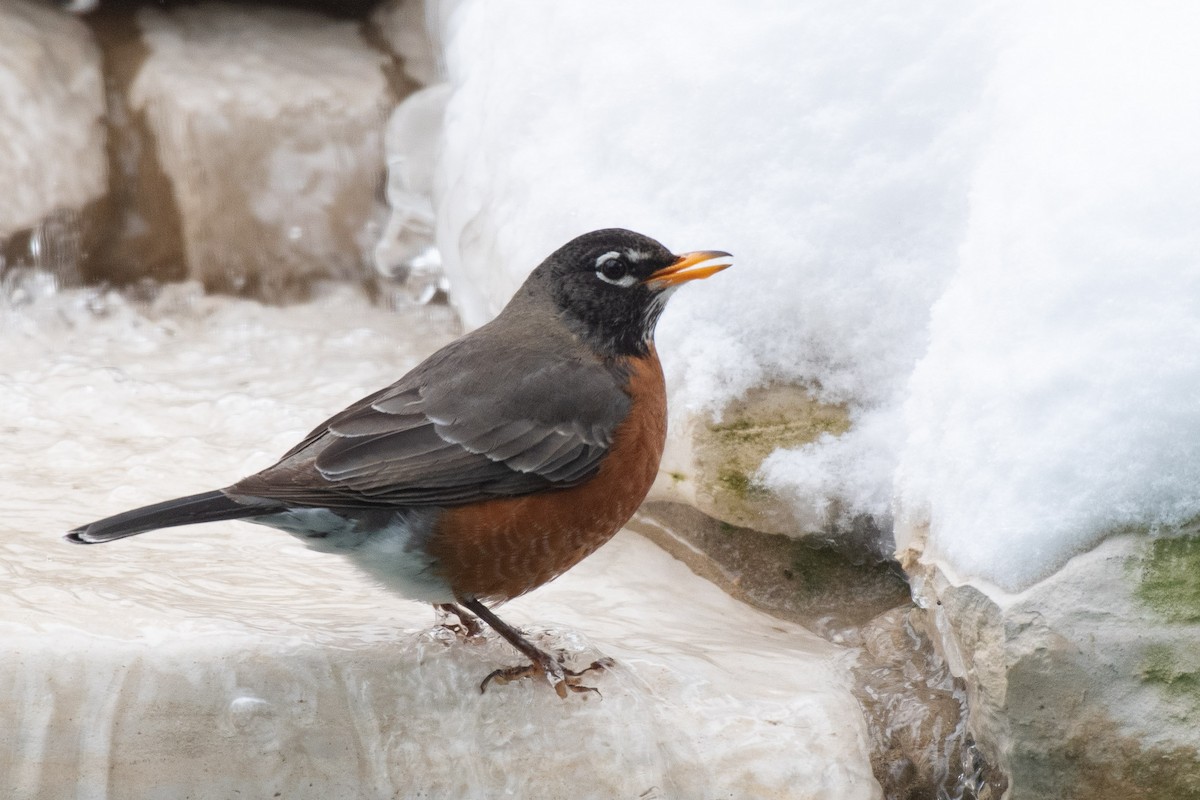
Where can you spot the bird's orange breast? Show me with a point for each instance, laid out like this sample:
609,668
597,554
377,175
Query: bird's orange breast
502,548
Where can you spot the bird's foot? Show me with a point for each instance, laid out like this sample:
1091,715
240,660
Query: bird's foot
563,680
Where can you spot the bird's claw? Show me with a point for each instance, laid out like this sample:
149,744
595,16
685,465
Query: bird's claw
563,680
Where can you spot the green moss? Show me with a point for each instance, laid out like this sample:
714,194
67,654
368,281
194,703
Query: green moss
729,454
733,427
677,477
1161,665
1170,578
740,483
784,431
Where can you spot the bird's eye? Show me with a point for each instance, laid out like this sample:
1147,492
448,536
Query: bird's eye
611,268
614,269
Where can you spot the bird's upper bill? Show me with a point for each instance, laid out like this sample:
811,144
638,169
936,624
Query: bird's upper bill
690,267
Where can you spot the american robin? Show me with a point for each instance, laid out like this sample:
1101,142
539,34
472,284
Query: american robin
500,461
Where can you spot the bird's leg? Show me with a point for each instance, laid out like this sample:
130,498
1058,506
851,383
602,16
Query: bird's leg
561,678
468,625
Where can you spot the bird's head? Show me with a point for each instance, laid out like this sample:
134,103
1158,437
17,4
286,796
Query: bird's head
610,285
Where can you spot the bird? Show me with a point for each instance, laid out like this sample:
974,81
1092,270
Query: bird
496,464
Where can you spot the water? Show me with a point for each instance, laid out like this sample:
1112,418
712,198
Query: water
226,659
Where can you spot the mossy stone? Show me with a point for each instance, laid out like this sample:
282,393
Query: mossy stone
730,453
1169,581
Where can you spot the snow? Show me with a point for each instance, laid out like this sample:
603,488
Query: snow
227,659
1057,401
52,154
1003,193
826,146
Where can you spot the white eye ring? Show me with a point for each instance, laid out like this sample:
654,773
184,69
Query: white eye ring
625,281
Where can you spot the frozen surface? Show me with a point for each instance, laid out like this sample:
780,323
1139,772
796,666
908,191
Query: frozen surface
406,247
204,662
52,153
1004,193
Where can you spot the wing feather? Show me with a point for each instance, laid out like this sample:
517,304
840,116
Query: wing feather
445,434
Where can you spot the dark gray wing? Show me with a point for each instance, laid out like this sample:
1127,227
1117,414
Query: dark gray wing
479,419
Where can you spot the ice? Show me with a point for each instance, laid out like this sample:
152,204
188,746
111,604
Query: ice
228,660
1004,193
406,249
52,154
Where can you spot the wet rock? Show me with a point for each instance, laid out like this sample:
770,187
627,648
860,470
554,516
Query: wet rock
52,160
916,714
1083,685
144,237
914,708
713,464
404,26
268,124
825,586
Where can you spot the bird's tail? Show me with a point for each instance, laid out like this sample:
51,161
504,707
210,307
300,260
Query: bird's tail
204,507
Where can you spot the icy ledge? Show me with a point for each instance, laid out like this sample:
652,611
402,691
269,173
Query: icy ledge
208,662
203,666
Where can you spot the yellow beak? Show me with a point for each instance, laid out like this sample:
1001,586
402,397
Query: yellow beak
690,267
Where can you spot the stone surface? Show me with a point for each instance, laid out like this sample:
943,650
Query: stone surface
713,463
916,712
180,668
269,124
404,27
143,237
1085,684
827,587
915,709
53,165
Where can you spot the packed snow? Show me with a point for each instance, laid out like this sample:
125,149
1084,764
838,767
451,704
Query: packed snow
1059,400
1003,194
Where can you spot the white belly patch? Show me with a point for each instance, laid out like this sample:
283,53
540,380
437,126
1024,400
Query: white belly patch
385,545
